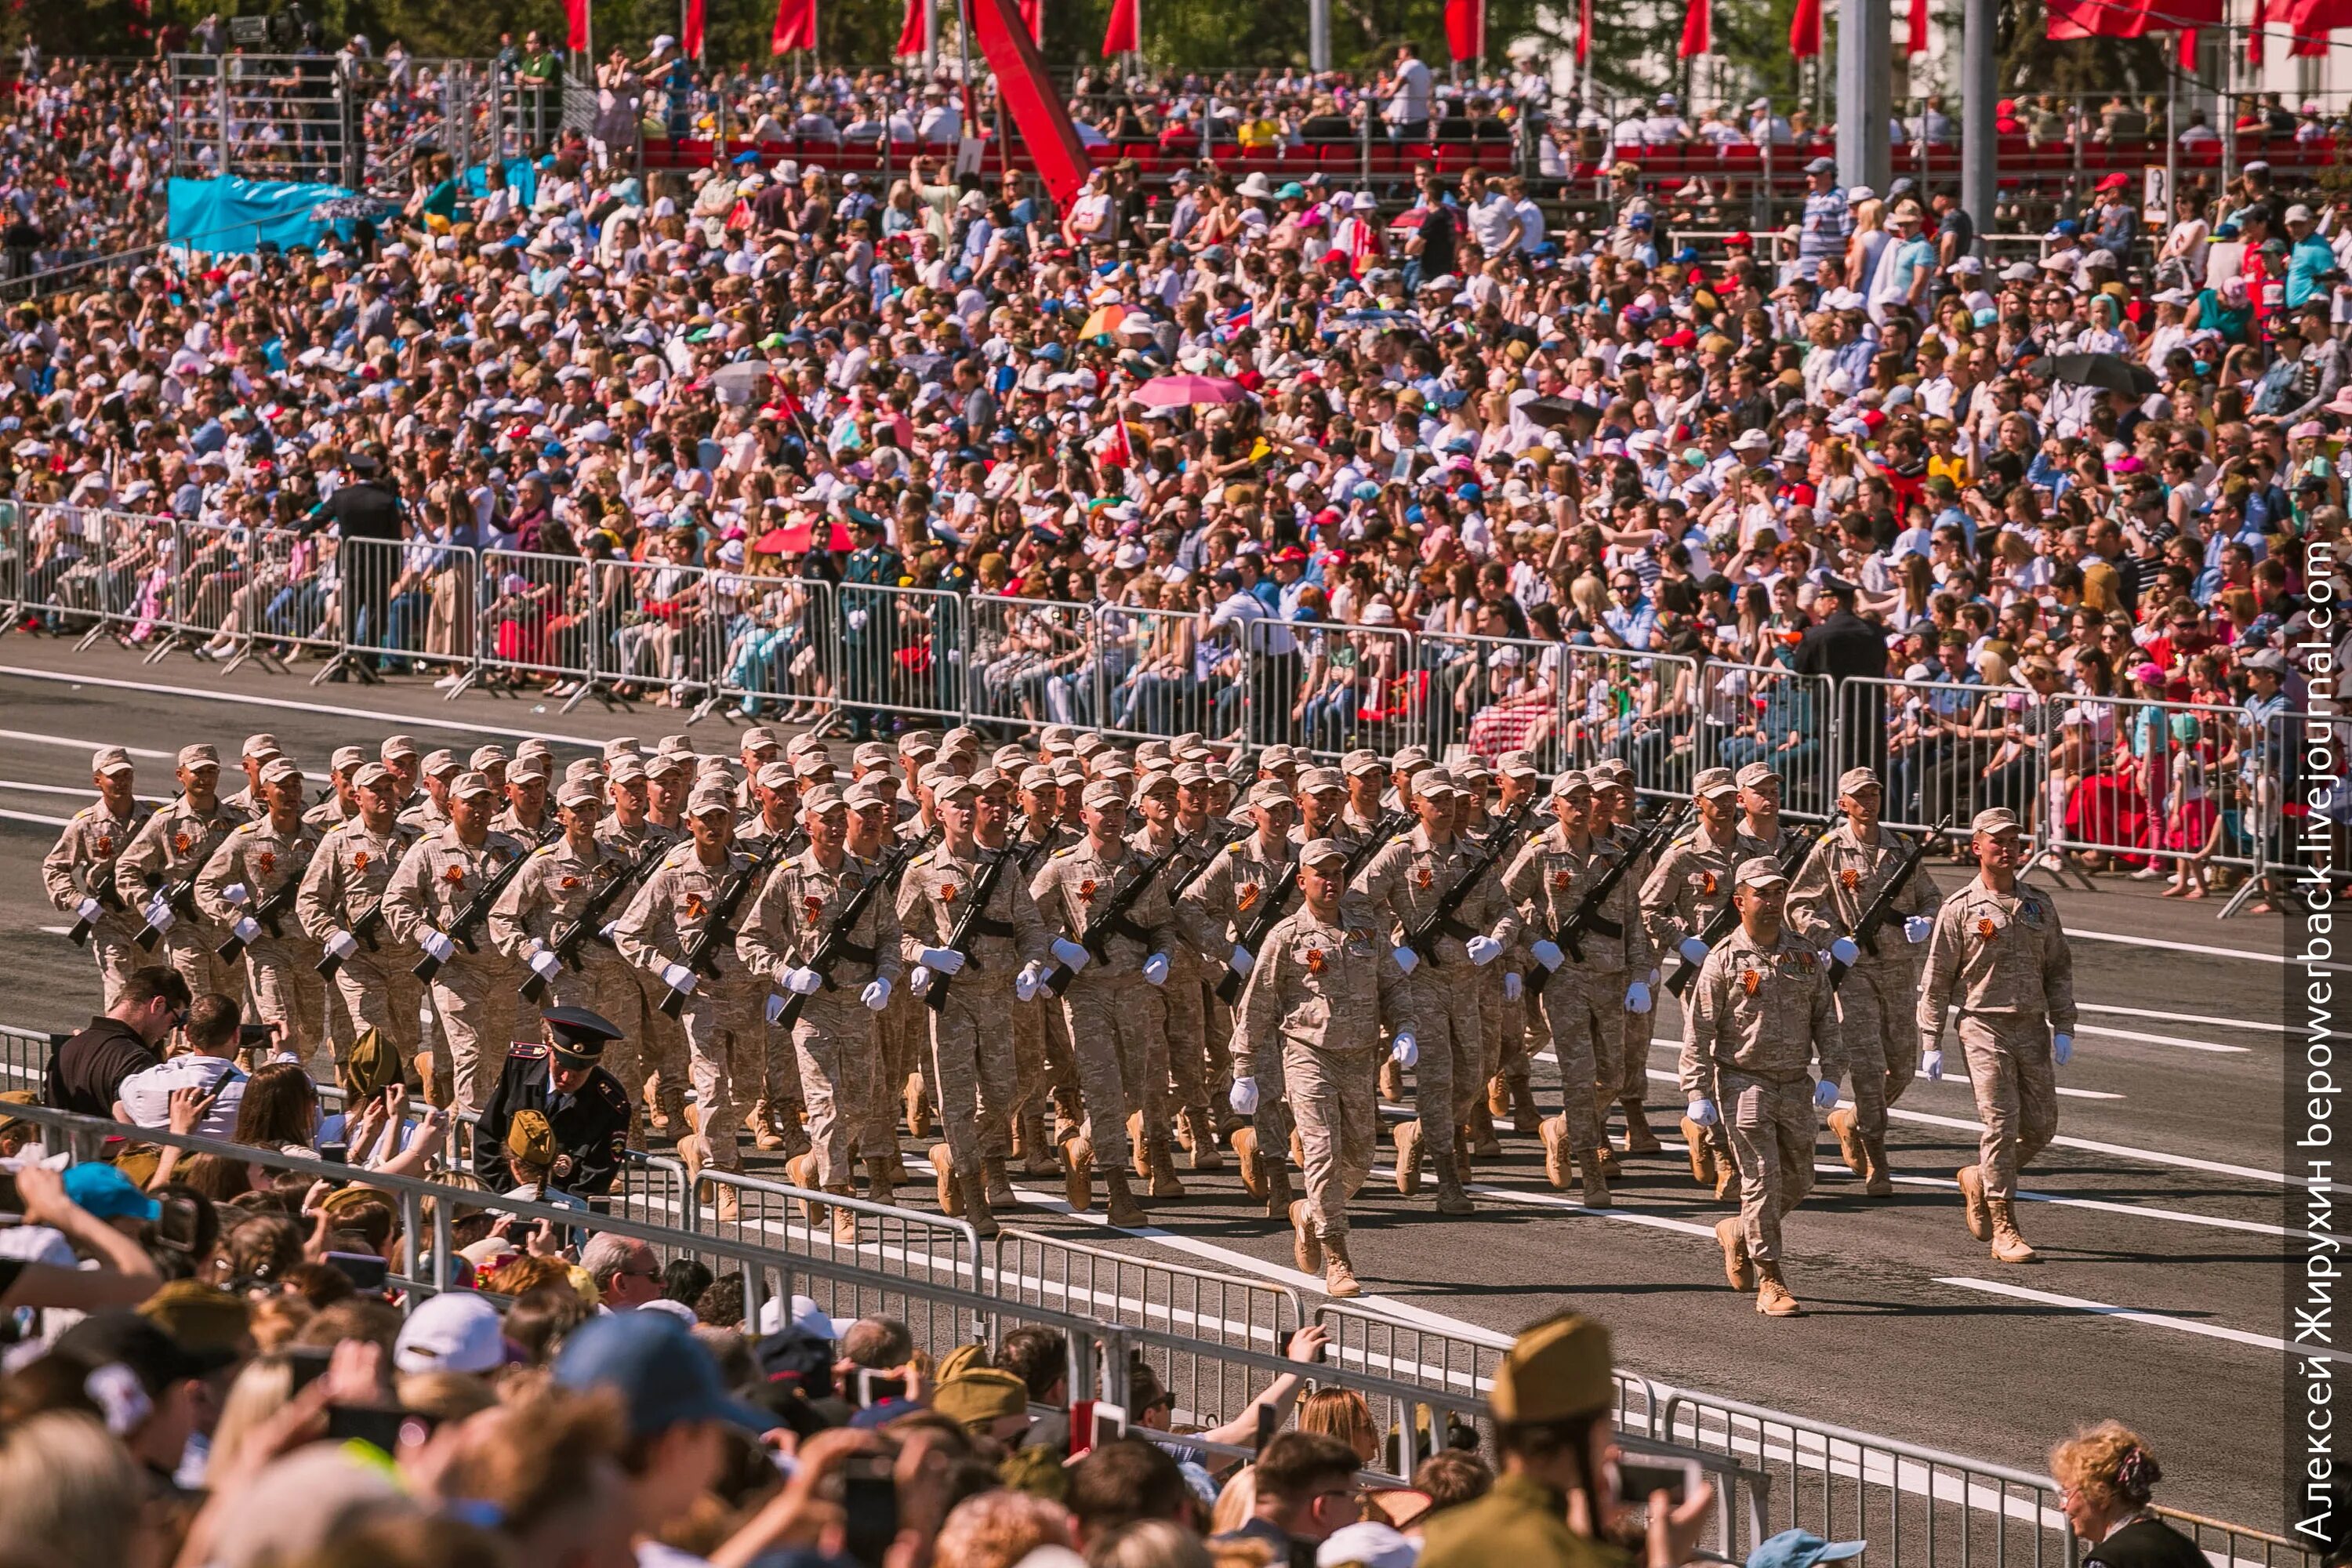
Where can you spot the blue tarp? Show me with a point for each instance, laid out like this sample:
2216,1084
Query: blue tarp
235,214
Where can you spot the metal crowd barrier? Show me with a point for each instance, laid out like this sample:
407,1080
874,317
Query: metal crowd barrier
783,643
899,650
405,605
1750,713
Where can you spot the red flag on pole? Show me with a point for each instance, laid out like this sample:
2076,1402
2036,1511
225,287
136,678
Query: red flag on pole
1466,28
2186,46
2311,21
689,31
2128,18
1698,29
2255,35
1917,44
1805,30
1125,26
1584,30
795,27
1032,19
913,32
575,25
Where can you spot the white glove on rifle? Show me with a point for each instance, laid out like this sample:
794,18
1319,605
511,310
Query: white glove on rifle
876,995
159,913
1073,957
248,929
776,1007
1845,950
801,982
1825,1094
90,910
942,959
1918,928
1548,953
341,943
1703,1112
919,983
1024,985
1244,1098
1693,950
1512,987
1155,969
1482,950
1406,959
678,978
1406,1051
1637,996
1242,961
438,944
545,965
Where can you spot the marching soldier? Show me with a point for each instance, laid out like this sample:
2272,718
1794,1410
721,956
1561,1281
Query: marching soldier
630,831
873,835
170,848
1510,1084
971,1048
1690,886
399,753
1999,953
1407,882
1761,1016
525,816
473,989
560,1077
1616,812
1846,874
1118,1017
255,864
725,1023
555,885
1585,999
777,1116
802,909
429,811
1190,854
342,802
1045,1066
78,873
1310,1018
341,907
251,801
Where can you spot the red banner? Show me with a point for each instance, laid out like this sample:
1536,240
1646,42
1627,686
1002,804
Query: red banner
795,27
2311,21
1584,30
1121,37
1032,16
690,32
1698,29
1917,43
1805,30
1466,29
575,25
1039,113
914,32
2128,18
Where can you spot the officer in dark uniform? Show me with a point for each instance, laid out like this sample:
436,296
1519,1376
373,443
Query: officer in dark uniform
1844,647
585,1106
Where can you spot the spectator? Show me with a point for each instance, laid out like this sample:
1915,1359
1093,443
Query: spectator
208,1065
2106,1477
1305,1490
86,1072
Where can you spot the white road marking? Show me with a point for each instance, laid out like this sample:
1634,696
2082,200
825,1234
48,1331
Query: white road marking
2214,1047
57,931
2182,1017
2201,949
2087,1093
2135,1315
2133,1211
36,818
41,738
82,792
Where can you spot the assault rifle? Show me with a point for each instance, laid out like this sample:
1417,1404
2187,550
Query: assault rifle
836,945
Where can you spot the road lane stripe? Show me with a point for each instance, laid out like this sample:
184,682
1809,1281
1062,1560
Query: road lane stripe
2133,1211
2201,949
2261,1024
36,818
2136,1315
2213,1046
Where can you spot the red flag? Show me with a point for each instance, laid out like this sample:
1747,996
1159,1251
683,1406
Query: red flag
1918,40
1126,25
1584,30
915,31
1032,19
575,25
2311,21
690,33
1466,28
2255,35
2186,46
795,27
1805,30
2128,18
1698,29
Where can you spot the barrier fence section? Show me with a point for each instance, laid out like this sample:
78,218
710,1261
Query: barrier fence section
1746,713
91,572
245,593
406,605
783,638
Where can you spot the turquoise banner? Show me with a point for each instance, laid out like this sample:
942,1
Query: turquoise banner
236,216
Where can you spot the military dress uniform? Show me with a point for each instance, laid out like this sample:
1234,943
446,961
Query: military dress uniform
1690,885
1046,1068
172,846
661,1039
1230,895
556,882
1191,1078
78,875
590,1124
253,863
344,885
473,991
2003,961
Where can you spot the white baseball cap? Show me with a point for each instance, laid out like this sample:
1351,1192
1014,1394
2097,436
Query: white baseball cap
454,1332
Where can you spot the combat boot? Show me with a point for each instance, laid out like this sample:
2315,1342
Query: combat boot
1877,1181
1482,1136
1203,1131
1078,1175
1138,1146
975,1206
1499,1097
919,1108
800,1171
1525,1117
787,1122
1339,1270
1639,1139
1408,1157
1461,1154
1304,1246
1727,1181
765,1130
1160,1161
996,1184
1733,1239
1594,1182
2008,1245
1392,1082
725,1199
1610,1164
1557,1155
1246,1155
1122,1210
1702,1153
944,1169
1972,1194
881,1186
1278,1191
1451,1198
1772,1297
1037,1156
845,1220
1847,1129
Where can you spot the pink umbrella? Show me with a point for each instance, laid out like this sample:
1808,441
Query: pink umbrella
1187,391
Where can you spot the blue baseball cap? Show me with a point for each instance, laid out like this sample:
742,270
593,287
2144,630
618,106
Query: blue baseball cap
106,1193
1802,1549
663,1375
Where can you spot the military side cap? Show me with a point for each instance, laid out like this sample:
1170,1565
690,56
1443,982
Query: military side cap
1571,783
1557,1371
580,1033
1714,782
1994,820
1760,871
372,1066
530,1140
981,1394
1316,851
1855,780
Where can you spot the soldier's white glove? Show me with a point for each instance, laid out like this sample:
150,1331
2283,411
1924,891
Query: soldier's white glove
159,913
1693,950
248,929
1637,998
90,910
2061,1045
1406,959
1244,1098
1655,972
341,943
1512,988
801,982
1932,1064
1845,950
1548,953
941,960
438,944
1073,957
607,932
1918,928
235,893
876,995
919,983
1703,1112
1024,985
1406,1050
776,1007
1825,1094
1155,969
545,965
676,976
1242,961
1482,950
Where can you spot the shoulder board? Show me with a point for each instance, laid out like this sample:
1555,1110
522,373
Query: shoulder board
85,811
609,1088
544,850
247,827
1235,847
673,861
1065,854
920,860
1683,840
520,1052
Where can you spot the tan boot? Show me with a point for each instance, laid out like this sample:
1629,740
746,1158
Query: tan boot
1736,1266
975,1207
1557,1156
1078,1174
1847,1129
919,1108
1036,1155
1304,1246
1727,1181
1972,1194
1245,1156
725,1198
1639,1139
1593,1182
1138,1147
1702,1153
2009,1246
1203,1131
996,1184
1278,1191
1408,1157
765,1130
881,1183
1339,1280
1482,1137
1451,1198
800,1171
789,1128
1462,1154
1499,1097
1525,1117
1122,1209
1609,1161
1772,1297
1392,1082
950,1189
1161,1170
1877,1180
845,1220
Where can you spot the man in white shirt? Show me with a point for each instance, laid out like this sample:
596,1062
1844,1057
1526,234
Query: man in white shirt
1407,111
144,1099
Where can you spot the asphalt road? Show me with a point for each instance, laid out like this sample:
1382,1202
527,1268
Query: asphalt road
2159,1212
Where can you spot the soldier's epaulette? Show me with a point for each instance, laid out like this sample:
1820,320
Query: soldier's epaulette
526,1050
1681,839
545,850
920,860
1235,847
243,827
1065,853
673,859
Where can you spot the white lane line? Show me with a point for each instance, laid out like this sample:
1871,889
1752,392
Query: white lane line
2133,1211
2135,1315
2195,947
202,694
40,739
57,930
2214,1047
81,792
36,818
2261,1024
1549,1056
